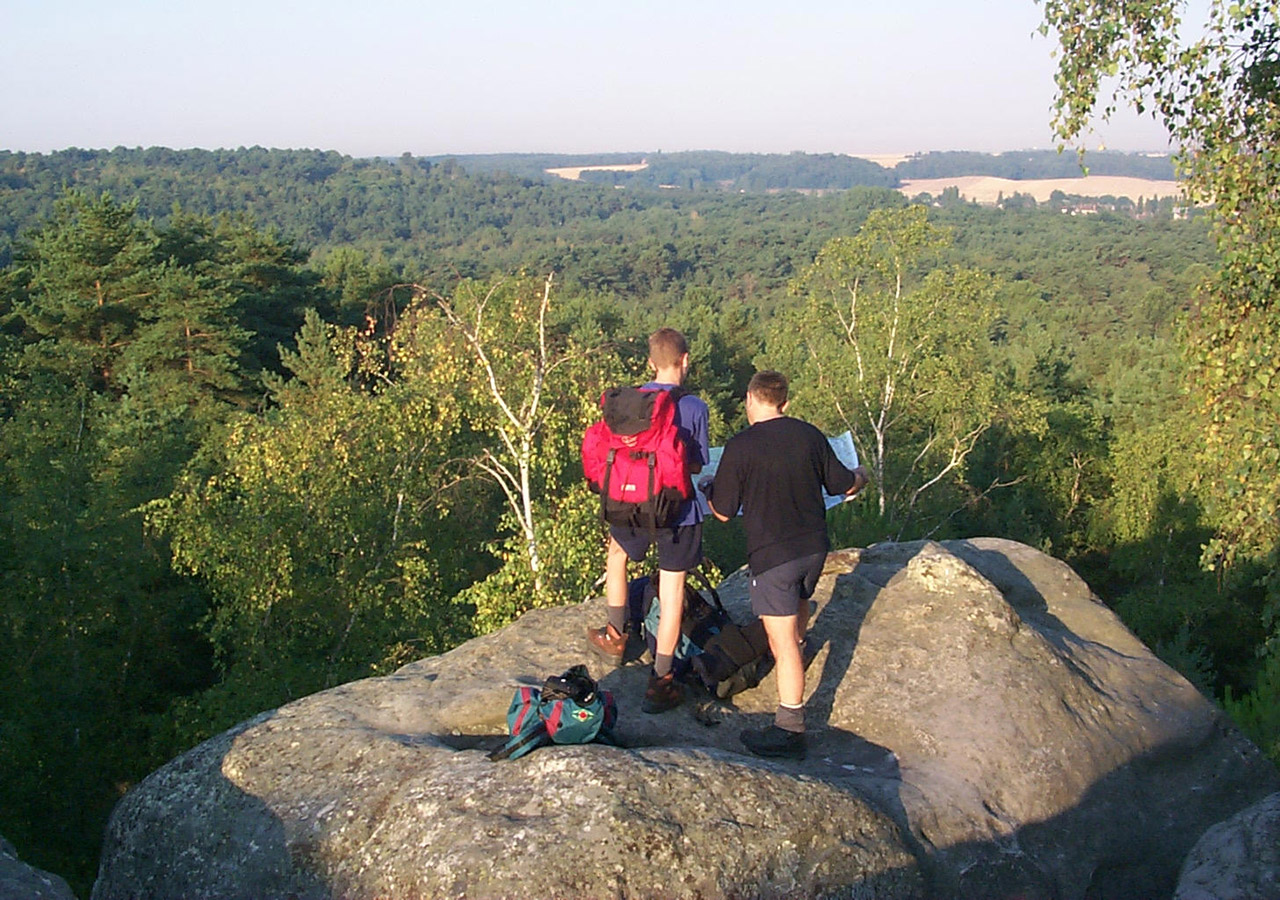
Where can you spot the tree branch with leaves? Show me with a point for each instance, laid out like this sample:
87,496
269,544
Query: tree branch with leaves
527,385
1215,85
1218,94
891,345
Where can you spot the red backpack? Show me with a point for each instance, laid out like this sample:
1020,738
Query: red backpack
636,460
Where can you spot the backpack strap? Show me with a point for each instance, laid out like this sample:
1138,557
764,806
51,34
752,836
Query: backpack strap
701,573
678,393
521,743
604,490
653,497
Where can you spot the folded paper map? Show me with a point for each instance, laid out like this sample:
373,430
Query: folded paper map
842,444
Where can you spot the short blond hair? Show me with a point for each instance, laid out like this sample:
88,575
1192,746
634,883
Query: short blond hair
666,346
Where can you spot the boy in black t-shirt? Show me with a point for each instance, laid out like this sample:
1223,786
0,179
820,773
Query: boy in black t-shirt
775,471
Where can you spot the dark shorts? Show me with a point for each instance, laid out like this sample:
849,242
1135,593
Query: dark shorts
679,549
780,591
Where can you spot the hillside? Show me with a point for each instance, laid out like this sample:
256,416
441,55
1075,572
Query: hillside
243,372
481,214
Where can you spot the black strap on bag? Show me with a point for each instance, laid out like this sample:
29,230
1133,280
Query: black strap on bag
521,744
604,491
701,573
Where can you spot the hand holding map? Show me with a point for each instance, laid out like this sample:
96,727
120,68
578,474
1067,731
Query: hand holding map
841,444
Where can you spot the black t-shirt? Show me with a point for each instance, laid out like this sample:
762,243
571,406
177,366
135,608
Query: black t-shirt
775,471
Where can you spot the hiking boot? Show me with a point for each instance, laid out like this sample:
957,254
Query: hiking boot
775,741
662,694
607,643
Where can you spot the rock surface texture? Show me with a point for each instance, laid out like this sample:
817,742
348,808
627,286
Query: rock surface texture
980,726
19,881
1238,859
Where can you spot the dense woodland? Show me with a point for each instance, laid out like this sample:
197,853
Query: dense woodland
275,420
410,208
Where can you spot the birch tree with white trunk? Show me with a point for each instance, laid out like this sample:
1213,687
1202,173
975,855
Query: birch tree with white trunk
891,344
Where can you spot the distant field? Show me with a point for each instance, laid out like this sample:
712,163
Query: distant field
884,160
573,173
986,189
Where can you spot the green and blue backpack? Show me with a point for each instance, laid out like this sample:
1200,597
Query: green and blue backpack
568,709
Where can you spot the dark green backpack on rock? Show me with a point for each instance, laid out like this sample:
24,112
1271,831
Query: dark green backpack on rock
568,709
713,651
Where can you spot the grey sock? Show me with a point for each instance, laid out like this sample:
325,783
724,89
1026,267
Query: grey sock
661,664
617,617
789,718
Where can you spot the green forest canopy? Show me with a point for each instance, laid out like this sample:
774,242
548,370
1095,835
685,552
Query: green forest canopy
325,198
238,431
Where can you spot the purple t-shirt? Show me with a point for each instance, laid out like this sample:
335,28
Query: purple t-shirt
692,417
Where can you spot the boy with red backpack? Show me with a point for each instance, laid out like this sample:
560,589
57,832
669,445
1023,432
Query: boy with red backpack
677,532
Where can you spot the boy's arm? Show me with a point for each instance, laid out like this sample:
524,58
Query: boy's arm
837,478
701,454
860,480
730,492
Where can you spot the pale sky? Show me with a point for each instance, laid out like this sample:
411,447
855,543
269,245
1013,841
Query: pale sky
382,77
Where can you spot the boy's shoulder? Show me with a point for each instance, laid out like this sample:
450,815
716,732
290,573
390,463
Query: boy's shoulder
784,430
690,399
799,429
682,395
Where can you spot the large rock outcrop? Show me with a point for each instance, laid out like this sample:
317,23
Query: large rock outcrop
20,881
981,726
1238,859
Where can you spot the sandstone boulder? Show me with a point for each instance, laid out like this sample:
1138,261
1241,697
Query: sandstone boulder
981,726
19,881
1238,859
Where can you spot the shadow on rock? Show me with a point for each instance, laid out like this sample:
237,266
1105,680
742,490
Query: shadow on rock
981,726
233,845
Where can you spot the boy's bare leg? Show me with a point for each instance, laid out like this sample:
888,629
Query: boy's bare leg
609,642
663,692
802,621
785,737
781,631
670,610
615,574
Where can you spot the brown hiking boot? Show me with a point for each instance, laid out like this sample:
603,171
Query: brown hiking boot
607,643
662,694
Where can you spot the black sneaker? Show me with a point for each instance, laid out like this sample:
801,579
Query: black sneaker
662,694
775,741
